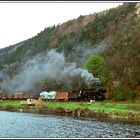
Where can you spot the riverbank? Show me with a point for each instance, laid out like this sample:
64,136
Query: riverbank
110,111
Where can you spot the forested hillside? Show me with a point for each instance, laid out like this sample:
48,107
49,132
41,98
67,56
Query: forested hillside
105,43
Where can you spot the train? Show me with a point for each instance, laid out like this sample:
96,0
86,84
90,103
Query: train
86,94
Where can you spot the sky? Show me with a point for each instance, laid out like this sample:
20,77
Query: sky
21,21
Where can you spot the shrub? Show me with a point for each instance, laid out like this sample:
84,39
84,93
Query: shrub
132,95
119,95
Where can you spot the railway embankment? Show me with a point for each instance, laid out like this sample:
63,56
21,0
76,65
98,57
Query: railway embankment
106,111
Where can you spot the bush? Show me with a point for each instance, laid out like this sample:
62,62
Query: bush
119,95
132,95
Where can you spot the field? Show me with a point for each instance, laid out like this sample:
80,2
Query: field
15,104
118,108
107,107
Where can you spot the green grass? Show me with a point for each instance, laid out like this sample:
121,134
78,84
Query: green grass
116,108
107,107
67,105
15,104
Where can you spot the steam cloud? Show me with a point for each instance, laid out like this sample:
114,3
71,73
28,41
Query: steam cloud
82,51
53,67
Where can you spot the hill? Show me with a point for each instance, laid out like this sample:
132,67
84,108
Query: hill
111,37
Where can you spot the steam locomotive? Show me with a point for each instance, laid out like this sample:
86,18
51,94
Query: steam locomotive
92,94
95,93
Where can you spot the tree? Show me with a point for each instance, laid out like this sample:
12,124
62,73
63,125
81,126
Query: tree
97,66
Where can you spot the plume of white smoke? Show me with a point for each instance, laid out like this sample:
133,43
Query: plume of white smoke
82,51
53,67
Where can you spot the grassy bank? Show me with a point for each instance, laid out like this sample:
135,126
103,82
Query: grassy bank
112,110
107,107
15,104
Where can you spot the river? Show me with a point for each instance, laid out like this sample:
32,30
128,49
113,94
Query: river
26,125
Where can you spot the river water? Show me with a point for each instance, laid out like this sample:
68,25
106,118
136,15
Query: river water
26,125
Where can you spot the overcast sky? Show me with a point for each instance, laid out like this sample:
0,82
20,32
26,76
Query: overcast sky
20,21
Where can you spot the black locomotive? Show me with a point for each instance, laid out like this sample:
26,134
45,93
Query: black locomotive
92,94
88,94
96,92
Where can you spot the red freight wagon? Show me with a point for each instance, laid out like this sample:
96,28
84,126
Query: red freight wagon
23,96
16,96
62,96
0,97
10,97
20,95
